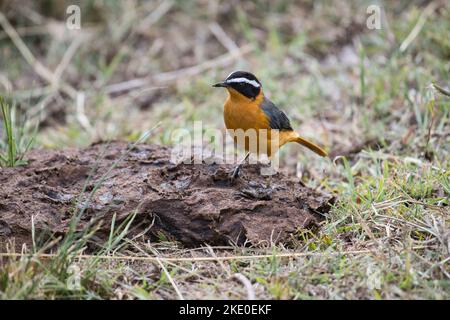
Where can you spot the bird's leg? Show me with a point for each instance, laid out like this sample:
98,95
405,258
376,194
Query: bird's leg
269,185
237,169
270,176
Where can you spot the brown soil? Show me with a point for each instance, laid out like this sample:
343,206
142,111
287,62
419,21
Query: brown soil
193,204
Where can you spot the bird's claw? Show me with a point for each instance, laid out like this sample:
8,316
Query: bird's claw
235,173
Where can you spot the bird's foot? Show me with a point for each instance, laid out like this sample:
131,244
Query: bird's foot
234,174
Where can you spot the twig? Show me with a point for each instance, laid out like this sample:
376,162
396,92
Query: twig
32,15
126,85
38,67
27,31
156,15
178,74
194,70
223,38
68,55
26,53
53,78
247,284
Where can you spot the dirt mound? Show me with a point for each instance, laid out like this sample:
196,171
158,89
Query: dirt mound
193,204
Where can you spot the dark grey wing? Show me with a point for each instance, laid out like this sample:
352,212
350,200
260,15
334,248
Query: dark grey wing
277,118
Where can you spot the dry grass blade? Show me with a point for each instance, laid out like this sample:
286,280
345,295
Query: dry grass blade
445,92
217,258
169,277
247,284
38,67
418,27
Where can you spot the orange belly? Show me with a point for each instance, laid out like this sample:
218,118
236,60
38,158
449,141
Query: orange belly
249,126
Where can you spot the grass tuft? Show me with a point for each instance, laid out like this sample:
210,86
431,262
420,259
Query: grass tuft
15,144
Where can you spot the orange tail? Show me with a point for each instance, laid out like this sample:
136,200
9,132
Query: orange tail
311,146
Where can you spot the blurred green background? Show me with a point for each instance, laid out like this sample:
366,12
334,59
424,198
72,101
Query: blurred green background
135,63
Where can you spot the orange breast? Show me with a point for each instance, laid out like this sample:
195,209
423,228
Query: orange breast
243,113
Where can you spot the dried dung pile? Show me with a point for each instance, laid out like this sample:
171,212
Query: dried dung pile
192,204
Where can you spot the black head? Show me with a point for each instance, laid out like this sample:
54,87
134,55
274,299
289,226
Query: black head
243,82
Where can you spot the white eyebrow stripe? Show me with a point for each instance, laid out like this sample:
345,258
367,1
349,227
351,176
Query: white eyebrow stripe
239,80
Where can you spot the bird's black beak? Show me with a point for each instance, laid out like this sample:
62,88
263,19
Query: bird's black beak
220,84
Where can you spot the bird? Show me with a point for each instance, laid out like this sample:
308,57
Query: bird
247,108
